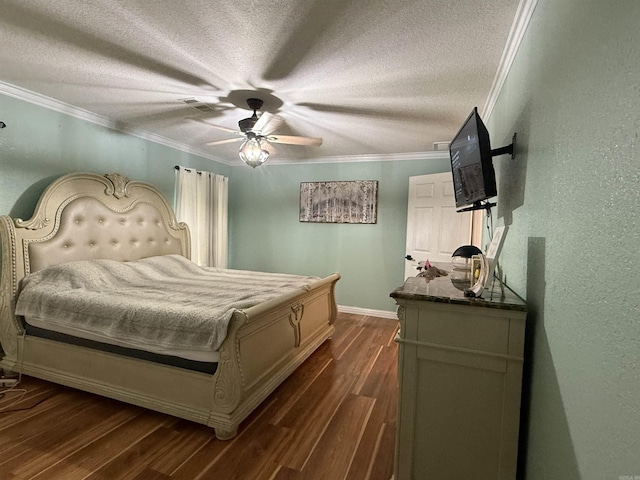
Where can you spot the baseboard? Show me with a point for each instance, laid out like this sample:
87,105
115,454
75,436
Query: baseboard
367,311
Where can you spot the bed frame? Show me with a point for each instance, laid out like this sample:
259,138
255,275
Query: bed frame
88,216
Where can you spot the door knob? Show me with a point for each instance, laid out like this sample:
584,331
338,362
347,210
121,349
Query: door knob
409,257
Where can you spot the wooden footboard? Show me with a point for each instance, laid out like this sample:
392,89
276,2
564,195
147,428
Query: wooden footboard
265,344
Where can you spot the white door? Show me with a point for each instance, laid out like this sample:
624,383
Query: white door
434,228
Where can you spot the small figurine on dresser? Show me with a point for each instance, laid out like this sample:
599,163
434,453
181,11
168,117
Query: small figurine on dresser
430,271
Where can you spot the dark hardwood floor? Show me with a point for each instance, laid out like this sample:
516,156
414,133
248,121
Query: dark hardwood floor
333,418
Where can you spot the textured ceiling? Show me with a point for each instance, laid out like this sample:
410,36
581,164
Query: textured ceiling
372,78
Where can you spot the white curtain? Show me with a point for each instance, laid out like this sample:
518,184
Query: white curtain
201,201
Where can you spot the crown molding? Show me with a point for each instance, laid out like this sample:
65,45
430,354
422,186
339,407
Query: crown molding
87,116
518,28
386,157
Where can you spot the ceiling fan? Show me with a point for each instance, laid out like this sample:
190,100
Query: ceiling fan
256,133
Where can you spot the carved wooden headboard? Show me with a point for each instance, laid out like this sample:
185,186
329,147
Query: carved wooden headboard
85,216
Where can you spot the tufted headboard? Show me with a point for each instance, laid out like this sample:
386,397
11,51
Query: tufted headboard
89,229
85,216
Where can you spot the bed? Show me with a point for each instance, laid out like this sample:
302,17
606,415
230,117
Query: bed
88,219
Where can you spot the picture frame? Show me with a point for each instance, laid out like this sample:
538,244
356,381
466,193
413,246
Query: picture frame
495,247
339,202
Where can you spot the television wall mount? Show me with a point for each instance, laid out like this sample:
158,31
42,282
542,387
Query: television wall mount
508,150
487,205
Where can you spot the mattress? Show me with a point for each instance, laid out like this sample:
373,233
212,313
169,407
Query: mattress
70,331
165,305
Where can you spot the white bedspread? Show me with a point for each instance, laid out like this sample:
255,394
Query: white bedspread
167,301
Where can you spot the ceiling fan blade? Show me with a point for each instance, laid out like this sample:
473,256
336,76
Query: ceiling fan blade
270,148
365,111
273,125
264,123
295,140
226,140
219,127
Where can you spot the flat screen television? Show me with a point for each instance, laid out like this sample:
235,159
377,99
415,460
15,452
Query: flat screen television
474,179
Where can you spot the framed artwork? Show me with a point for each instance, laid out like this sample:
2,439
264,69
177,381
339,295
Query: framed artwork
339,202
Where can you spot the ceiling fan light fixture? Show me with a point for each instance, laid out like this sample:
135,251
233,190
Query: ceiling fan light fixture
252,152
255,150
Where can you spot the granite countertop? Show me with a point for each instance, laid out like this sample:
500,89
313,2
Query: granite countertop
449,289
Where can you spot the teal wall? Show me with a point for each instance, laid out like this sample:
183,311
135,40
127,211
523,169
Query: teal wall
266,234
571,200
38,145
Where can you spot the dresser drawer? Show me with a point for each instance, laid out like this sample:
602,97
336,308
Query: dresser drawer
479,329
